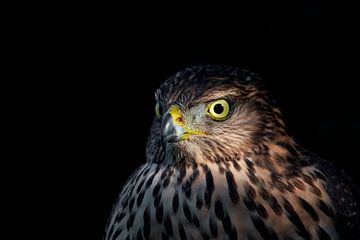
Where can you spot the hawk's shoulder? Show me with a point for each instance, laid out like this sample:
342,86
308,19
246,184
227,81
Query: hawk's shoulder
345,196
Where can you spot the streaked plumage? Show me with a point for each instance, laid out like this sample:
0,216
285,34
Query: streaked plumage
235,177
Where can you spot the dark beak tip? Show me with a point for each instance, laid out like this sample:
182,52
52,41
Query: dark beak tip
168,134
173,138
170,139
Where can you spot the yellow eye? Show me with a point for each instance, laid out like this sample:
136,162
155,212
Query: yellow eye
158,110
218,109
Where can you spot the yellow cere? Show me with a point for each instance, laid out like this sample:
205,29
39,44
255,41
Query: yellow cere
218,109
177,115
178,118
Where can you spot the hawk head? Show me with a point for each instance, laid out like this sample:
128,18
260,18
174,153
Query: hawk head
210,113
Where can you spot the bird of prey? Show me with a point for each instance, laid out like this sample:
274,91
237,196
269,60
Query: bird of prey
221,165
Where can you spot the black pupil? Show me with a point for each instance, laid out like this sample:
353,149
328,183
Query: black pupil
218,108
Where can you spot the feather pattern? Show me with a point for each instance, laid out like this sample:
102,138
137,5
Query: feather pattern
246,178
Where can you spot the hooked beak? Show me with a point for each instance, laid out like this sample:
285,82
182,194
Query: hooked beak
174,128
169,131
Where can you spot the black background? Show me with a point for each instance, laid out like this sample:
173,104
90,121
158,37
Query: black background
101,66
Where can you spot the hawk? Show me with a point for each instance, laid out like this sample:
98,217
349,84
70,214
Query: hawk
220,165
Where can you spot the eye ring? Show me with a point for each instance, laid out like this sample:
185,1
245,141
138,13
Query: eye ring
218,109
158,110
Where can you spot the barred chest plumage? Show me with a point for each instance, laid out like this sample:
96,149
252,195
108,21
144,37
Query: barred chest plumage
221,165
203,201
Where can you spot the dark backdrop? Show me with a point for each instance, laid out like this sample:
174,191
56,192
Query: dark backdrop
101,68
